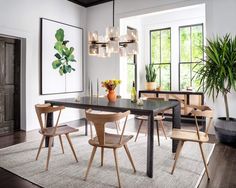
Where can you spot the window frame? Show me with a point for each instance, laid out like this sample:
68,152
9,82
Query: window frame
190,63
135,70
159,64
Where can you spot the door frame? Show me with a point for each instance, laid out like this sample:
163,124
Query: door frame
18,79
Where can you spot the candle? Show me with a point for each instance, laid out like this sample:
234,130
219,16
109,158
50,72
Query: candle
97,87
91,89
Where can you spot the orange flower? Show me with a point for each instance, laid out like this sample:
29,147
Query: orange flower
110,84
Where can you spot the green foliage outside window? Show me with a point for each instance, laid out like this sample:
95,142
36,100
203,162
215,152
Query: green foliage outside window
191,54
161,56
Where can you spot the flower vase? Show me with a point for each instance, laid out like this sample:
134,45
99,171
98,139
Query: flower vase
111,96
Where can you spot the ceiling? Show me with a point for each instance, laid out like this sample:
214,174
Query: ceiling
89,3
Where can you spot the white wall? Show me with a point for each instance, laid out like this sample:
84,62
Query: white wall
219,20
22,19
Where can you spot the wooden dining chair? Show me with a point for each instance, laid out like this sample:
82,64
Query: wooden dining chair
42,111
192,135
158,119
117,123
108,140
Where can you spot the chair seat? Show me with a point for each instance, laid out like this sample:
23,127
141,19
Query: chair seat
62,129
111,140
188,135
156,118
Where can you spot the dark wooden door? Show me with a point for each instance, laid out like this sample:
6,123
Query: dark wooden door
9,85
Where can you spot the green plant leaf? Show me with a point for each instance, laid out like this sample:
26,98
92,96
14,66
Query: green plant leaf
60,35
65,42
55,64
59,47
71,58
219,70
58,56
61,71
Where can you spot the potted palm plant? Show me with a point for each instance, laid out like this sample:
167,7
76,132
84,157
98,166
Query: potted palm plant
218,74
150,77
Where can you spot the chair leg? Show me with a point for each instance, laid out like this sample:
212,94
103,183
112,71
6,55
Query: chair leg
49,151
102,155
61,144
130,158
90,162
91,130
117,167
71,146
40,147
138,130
180,145
158,136
162,127
204,160
117,127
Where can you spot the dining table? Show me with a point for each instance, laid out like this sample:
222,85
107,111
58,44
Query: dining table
149,108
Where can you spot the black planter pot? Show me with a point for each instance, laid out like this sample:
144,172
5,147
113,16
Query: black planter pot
226,131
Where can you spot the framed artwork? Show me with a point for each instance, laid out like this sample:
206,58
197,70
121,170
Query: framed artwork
53,80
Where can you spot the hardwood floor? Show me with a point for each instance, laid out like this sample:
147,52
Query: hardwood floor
222,165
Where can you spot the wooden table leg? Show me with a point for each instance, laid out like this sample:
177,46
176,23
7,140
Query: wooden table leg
49,124
150,140
176,123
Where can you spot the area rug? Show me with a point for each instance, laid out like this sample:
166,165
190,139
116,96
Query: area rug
65,172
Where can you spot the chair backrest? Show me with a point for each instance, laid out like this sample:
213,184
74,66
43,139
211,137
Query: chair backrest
202,111
99,121
42,111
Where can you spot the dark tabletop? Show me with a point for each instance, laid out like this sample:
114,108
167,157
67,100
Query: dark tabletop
150,106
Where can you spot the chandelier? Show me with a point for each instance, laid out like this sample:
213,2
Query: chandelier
112,42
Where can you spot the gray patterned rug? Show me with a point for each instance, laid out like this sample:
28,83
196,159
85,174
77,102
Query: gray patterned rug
65,172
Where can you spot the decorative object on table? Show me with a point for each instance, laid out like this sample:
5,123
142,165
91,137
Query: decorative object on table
140,102
218,74
110,86
62,56
97,88
77,99
91,89
133,93
189,88
150,77
158,88
113,42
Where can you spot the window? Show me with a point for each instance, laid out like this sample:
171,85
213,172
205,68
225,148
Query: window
161,56
131,72
191,53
